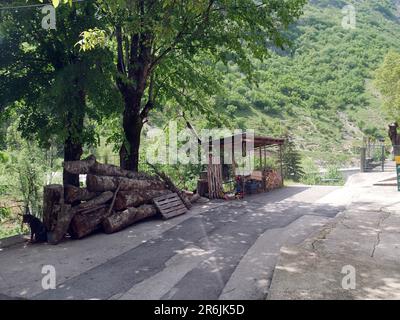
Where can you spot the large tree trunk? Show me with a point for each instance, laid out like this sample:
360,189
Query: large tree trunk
101,199
78,167
111,170
132,123
90,165
104,183
121,220
73,147
72,152
123,157
84,224
74,194
65,214
126,199
134,60
53,198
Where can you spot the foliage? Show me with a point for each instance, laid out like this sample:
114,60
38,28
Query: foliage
4,157
319,90
25,171
311,173
291,159
163,48
31,179
270,163
51,84
333,176
57,2
4,233
4,213
388,83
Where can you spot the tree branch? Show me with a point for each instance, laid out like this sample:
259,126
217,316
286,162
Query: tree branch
120,50
182,32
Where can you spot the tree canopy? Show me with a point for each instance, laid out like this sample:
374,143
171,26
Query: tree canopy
150,36
58,91
46,74
388,83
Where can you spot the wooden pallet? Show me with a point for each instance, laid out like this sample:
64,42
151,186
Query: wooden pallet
170,205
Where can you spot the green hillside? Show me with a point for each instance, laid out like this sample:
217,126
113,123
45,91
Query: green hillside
321,91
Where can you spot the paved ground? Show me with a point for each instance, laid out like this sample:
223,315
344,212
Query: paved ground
365,236
222,250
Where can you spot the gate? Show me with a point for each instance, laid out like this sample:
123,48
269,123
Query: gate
378,158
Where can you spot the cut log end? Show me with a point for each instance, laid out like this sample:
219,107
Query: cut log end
121,220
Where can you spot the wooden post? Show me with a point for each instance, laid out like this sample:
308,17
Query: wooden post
265,157
53,198
363,159
233,159
281,163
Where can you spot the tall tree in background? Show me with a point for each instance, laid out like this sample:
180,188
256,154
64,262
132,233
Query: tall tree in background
151,35
388,82
291,159
57,90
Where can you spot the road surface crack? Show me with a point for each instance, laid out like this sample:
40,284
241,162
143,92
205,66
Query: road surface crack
385,215
322,235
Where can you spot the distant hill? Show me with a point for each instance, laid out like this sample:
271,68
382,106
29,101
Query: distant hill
321,91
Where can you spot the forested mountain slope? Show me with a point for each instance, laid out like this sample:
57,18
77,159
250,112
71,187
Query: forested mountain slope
321,91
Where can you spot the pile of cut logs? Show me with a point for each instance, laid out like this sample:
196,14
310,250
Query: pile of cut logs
274,180
112,200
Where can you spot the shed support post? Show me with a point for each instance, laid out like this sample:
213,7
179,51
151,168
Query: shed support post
363,154
281,163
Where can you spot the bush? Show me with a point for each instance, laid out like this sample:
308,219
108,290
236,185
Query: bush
292,168
31,178
5,213
311,173
4,157
333,176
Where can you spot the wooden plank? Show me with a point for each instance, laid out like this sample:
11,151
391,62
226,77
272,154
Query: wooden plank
173,209
170,205
167,201
169,209
165,197
174,214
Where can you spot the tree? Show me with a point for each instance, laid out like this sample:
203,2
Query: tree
152,35
291,159
57,90
387,79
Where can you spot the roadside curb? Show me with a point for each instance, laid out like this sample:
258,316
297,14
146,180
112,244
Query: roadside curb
11,241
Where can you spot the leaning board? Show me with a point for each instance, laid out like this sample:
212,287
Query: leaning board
170,205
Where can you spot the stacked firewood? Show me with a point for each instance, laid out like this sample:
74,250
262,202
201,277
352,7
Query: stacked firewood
112,200
273,180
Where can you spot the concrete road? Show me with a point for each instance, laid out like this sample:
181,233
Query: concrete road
221,250
355,256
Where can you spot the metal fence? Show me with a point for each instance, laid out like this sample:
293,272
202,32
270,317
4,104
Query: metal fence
378,157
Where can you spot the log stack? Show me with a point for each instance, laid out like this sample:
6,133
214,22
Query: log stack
273,180
112,200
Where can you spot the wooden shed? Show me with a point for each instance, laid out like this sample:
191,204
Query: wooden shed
213,180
